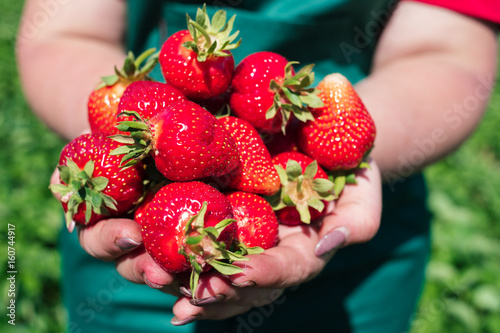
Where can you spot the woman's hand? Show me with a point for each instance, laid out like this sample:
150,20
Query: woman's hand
301,254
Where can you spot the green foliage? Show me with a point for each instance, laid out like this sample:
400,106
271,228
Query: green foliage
28,156
462,293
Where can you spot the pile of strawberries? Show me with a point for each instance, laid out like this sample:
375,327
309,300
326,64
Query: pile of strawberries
212,161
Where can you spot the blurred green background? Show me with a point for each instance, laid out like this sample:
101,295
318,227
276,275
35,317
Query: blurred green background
462,293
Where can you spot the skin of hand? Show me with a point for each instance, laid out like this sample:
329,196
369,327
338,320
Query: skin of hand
301,254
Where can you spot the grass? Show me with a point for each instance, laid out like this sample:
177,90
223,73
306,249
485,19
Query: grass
462,293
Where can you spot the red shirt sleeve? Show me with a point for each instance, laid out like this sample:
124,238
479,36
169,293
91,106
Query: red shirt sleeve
483,9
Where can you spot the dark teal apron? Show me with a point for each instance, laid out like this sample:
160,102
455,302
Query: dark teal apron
371,287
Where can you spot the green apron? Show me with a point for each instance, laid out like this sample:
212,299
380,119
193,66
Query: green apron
365,288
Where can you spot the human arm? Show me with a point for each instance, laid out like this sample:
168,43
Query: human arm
62,58
432,75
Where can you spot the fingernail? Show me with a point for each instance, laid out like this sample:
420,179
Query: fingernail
184,321
71,226
209,300
331,241
151,284
185,291
126,243
244,284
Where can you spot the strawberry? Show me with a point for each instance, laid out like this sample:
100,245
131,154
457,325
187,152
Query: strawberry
265,91
215,105
190,226
278,143
198,61
147,98
343,131
186,141
256,221
305,189
103,102
255,172
93,186
141,209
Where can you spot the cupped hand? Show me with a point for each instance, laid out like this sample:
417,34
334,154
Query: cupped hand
301,254
120,240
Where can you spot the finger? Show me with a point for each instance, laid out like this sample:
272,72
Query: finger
356,216
138,267
290,263
186,313
54,179
214,288
109,239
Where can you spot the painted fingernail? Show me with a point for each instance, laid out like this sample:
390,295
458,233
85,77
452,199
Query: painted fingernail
331,241
209,300
185,291
245,284
126,243
175,321
71,226
151,284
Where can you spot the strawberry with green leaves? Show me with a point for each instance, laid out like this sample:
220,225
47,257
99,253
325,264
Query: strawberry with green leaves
257,225
93,186
147,98
186,142
266,91
104,100
189,226
255,172
198,61
305,189
343,131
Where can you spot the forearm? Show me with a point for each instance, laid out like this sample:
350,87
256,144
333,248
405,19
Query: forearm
423,114
59,94
427,98
61,64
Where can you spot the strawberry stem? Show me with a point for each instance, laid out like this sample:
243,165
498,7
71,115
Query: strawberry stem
131,70
211,37
80,187
294,96
204,248
301,190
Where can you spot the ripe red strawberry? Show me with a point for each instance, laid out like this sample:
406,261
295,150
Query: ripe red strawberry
186,141
103,102
256,221
305,189
265,91
215,105
147,98
197,61
190,226
93,186
343,130
278,143
255,172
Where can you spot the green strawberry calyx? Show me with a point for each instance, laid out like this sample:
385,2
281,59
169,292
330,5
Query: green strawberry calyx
137,145
80,187
211,37
133,69
341,178
294,95
299,189
202,248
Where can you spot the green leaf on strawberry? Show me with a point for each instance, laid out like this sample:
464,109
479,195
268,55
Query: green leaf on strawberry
211,37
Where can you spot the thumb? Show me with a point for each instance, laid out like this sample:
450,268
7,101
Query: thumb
355,217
